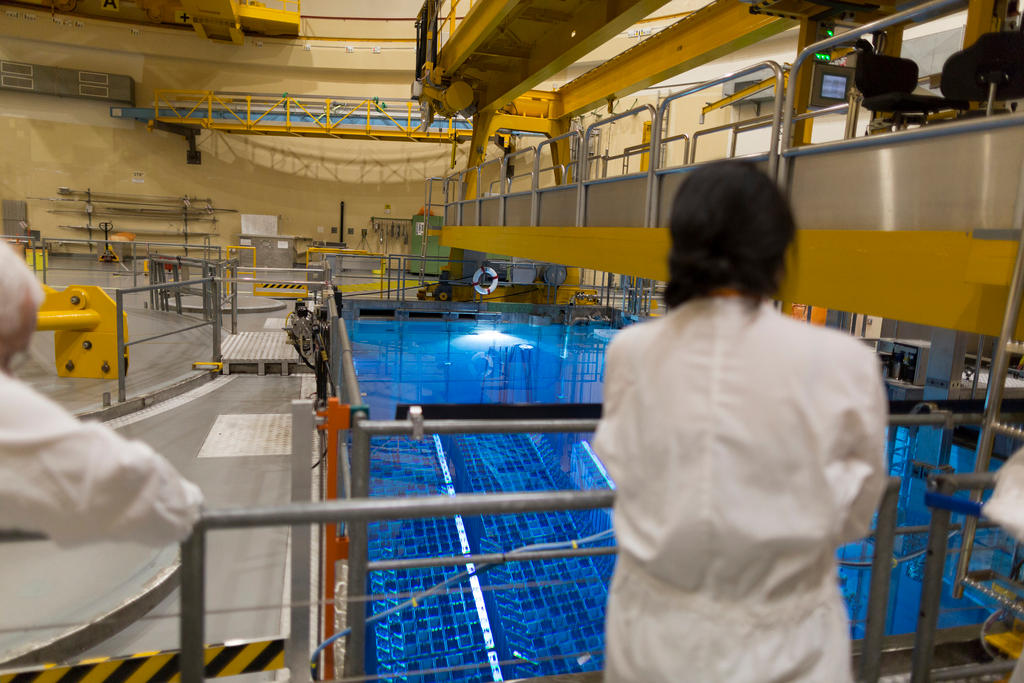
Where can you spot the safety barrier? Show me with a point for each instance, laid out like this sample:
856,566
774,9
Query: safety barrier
356,509
42,258
211,311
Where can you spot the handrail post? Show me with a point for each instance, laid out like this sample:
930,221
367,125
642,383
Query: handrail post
931,588
881,576
355,648
217,319
298,645
121,365
193,551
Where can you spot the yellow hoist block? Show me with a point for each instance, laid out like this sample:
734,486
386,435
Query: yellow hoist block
82,319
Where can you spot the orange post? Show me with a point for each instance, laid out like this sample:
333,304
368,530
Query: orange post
337,417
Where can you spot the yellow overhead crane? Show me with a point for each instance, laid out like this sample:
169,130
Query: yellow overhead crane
220,20
475,53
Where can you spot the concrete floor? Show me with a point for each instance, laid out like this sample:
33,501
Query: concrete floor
47,591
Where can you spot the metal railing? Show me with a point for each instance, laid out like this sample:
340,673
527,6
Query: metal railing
210,288
930,9
305,114
940,498
45,262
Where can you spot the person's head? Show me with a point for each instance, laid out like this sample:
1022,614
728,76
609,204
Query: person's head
20,298
730,229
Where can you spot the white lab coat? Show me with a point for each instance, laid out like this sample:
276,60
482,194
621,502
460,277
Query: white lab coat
745,446
1006,507
80,481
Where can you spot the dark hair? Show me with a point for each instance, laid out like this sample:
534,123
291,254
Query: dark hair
730,229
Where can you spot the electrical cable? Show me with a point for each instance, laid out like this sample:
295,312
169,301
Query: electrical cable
436,588
995,616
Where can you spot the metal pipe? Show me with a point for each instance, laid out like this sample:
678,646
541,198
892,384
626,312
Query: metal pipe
490,558
996,382
411,507
122,367
931,589
581,197
177,284
401,427
653,189
915,13
881,574
217,318
193,606
968,671
167,334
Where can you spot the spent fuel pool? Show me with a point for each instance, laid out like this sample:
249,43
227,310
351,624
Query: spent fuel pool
520,619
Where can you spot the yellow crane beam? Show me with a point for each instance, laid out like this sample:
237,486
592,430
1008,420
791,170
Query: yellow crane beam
503,49
945,278
713,31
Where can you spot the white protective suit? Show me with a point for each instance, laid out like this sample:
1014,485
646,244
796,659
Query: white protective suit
1006,507
80,481
745,446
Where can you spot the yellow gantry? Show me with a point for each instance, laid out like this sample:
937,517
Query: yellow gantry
302,116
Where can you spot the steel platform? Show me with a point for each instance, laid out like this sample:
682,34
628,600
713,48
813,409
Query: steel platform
258,352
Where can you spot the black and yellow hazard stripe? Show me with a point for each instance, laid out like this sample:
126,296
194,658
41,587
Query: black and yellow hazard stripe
158,667
279,285
280,289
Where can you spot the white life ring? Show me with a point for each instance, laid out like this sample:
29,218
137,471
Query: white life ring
478,275
486,368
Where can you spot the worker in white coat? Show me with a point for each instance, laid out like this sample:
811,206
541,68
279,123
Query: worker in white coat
74,481
745,447
1006,507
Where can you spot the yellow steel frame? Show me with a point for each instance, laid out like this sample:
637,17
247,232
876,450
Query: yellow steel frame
465,35
305,117
84,322
944,278
717,29
742,94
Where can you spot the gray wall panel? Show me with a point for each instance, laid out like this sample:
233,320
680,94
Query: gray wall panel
617,204
558,206
517,210
961,182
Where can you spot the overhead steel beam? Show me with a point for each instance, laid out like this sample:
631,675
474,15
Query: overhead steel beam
551,46
946,279
711,32
479,24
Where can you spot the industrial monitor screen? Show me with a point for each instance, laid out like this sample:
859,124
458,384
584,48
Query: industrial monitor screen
833,87
830,84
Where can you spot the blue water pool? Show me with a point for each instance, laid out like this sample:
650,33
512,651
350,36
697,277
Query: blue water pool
527,619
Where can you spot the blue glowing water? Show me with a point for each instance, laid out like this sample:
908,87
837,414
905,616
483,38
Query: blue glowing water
519,619
527,619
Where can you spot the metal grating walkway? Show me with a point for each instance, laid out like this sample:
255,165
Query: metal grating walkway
249,351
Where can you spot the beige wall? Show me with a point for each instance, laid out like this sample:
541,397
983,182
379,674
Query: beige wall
51,142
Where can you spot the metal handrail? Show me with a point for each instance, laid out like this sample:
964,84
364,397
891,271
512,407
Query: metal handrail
211,299
651,210
581,195
847,38
535,187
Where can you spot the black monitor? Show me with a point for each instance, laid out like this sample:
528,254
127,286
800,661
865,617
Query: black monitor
830,84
